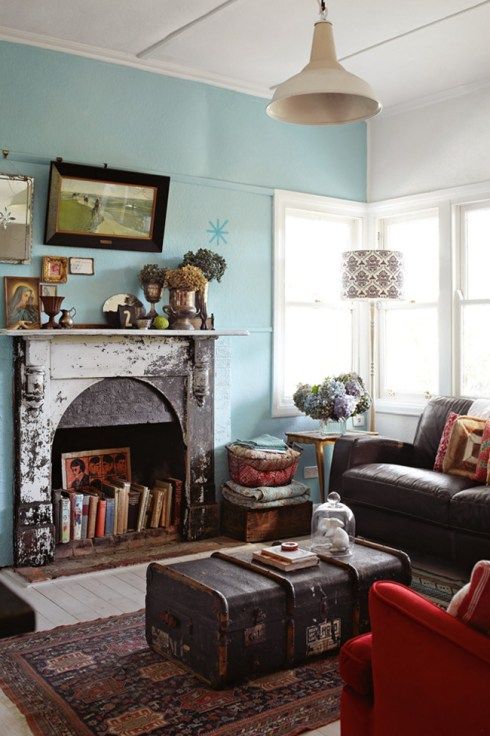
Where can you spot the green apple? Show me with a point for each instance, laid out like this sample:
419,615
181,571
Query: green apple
160,322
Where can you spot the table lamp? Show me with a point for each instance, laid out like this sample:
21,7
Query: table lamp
373,276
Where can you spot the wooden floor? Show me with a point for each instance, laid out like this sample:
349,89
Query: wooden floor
83,598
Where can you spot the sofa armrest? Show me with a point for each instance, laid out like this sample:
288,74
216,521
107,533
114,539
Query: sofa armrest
351,451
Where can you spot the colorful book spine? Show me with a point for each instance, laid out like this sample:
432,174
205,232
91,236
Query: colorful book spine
109,517
86,500
101,512
65,514
77,522
92,516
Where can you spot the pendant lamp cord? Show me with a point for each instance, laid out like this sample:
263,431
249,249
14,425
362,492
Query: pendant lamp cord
323,9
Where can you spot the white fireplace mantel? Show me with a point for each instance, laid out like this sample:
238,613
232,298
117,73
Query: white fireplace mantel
103,332
54,367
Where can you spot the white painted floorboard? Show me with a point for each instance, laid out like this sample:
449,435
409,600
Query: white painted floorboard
84,598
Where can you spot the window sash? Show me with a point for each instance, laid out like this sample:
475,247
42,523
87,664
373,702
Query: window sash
351,213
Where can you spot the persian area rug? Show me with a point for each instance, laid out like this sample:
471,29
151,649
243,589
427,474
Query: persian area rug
101,679
436,588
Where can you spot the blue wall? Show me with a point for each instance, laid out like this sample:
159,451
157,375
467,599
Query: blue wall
224,155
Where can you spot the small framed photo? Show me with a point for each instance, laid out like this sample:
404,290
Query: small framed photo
82,266
55,269
22,310
48,290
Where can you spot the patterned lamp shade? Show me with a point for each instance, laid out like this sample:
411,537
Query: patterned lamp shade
372,274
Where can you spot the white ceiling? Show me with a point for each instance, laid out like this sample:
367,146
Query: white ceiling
406,50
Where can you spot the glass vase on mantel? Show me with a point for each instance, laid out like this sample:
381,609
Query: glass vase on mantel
332,426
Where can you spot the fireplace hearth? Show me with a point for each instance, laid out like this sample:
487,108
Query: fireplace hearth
153,392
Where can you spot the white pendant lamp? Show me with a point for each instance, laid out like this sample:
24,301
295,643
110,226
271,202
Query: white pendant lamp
323,93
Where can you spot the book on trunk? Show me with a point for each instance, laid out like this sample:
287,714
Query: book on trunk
100,523
149,506
297,559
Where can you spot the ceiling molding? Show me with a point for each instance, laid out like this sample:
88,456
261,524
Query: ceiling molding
428,100
164,68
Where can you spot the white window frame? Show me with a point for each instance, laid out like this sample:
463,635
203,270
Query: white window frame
381,390
461,283
283,406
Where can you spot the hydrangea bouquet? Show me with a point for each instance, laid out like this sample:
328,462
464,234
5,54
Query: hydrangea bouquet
337,398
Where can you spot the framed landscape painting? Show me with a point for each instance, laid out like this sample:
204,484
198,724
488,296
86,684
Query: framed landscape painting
92,207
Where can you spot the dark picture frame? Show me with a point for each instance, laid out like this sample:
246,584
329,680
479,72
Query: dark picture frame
108,209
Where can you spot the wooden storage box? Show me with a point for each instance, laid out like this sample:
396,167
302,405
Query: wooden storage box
260,525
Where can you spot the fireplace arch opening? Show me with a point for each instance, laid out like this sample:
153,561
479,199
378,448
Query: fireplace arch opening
123,412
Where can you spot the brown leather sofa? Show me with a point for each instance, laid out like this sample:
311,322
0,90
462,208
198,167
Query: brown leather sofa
398,499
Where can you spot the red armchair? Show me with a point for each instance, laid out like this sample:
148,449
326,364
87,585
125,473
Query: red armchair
420,672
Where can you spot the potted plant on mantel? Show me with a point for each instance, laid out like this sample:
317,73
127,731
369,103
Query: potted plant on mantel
213,267
152,279
183,283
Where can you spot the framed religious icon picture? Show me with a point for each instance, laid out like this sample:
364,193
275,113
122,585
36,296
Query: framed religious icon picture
22,310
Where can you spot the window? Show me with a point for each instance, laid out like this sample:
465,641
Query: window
313,327
473,315
409,331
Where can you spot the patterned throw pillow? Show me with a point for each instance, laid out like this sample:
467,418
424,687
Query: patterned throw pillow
471,604
464,446
483,466
446,433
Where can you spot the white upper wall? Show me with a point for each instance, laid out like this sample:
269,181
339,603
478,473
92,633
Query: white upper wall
441,145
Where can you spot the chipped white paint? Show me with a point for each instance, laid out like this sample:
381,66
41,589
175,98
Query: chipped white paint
54,368
76,357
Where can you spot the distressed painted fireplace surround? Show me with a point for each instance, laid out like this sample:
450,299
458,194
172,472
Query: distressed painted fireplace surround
52,368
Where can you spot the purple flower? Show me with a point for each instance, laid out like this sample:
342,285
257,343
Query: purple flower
344,407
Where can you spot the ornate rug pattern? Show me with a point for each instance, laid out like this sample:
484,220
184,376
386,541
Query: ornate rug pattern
100,679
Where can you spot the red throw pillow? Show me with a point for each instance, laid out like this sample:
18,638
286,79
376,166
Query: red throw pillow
471,604
446,434
482,465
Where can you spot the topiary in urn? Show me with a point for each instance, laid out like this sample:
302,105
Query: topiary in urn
213,267
152,279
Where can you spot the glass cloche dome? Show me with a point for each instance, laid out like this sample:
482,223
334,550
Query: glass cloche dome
333,528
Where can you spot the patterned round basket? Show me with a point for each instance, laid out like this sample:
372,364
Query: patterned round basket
255,468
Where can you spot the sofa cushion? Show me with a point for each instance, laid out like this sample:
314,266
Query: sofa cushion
482,466
355,664
431,425
470,510
424,494
471,604
446,435
464,447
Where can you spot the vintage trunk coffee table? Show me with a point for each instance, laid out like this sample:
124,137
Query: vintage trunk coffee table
228,617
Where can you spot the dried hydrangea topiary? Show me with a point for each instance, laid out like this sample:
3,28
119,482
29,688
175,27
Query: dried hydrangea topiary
189,278
338,397
151,273
211,264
